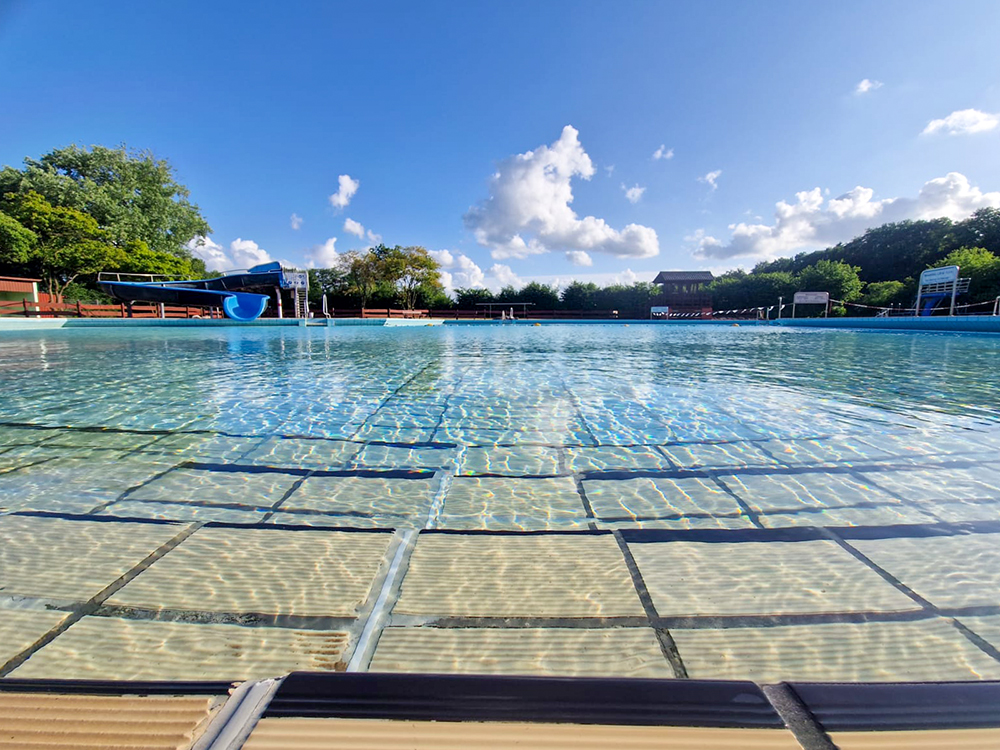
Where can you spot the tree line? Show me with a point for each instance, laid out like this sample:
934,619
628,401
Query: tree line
879,268
76,212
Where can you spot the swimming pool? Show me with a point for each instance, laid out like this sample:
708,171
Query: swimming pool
653,501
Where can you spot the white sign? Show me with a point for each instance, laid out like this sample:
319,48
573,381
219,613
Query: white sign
811,298
939,275
659,310
297,279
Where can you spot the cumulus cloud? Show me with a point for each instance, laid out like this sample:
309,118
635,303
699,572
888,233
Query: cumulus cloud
345,191
964,122
241,254
866,85
528,210
501,275
296,221
579,258
812,221
323,256
711,178
354,227
663,153
633,194
458,271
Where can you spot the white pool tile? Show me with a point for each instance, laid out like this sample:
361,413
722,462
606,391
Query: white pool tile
950,571
564,652
744,578
576,575
72,560
104,648
924,650
776,493
263,571
652,497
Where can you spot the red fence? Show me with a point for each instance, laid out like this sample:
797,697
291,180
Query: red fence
28,309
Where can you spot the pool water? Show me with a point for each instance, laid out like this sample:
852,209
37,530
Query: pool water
654,501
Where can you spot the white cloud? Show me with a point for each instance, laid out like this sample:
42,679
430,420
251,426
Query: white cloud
501,275
579,258
458,271
964,122
296,221
353,227
808,223
346,190
241,254
633,194
610,169
711,178
323,256
663,153
866,85
528,210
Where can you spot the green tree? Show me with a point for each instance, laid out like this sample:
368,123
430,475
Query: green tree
469,297
884,293
69,242
836,277
980,265
131,195
540,296
580,296
16,242
363,273
329,281
415,275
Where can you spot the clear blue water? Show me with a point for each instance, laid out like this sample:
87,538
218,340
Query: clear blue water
805,503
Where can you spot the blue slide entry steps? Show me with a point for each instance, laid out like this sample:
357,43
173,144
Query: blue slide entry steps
220,292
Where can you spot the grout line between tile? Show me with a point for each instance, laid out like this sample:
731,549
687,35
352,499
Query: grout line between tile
95,602
663,637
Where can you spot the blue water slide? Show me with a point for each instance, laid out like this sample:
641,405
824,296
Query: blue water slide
218,292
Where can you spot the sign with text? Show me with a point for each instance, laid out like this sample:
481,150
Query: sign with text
659,310
811,298
939,275
297,279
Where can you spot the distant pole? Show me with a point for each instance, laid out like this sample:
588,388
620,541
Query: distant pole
779,307
277,291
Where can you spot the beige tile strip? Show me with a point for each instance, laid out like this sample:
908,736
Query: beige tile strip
566,652
341,734
933,739
480,575
105,648
49,721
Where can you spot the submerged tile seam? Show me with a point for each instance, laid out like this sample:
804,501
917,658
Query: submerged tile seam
753,515
438,501
445,403
95,602
662,450
379,614
213,617
797,717
128,491
972,637
230,728
574,399
388,398
587,507
666,642
288,493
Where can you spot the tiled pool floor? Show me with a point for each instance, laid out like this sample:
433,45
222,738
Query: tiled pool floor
460,514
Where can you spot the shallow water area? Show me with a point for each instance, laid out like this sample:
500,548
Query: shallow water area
665,500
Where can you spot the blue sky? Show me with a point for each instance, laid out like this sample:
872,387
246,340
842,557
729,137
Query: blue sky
261,108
